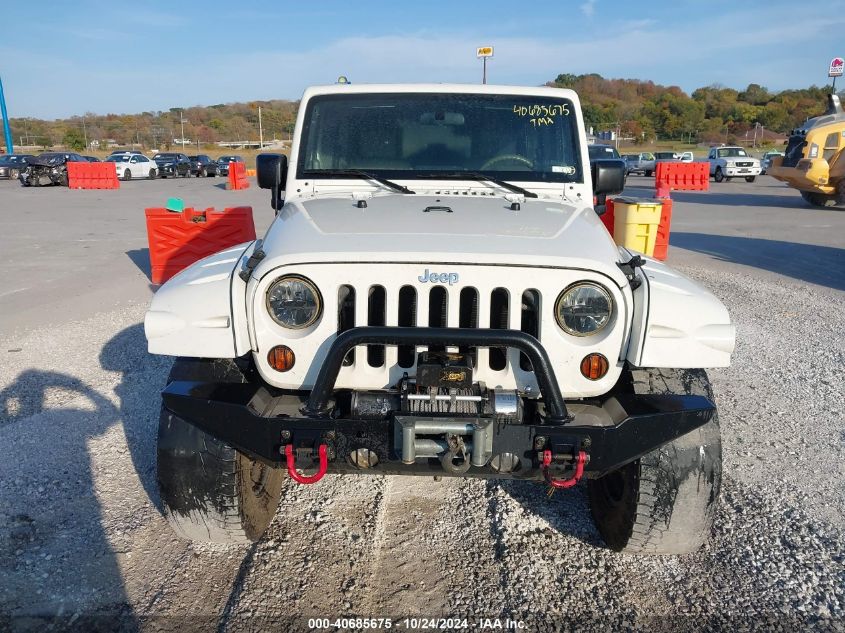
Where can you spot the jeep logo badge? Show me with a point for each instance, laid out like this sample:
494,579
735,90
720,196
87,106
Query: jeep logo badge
438,278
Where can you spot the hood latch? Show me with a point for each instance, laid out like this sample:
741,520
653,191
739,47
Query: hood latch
629,268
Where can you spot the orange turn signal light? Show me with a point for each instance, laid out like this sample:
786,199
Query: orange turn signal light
594,366
281,358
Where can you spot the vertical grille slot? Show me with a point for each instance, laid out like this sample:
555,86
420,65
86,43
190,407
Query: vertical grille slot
438,305
468,316
346,316
407,318
530,322
376,316
498,321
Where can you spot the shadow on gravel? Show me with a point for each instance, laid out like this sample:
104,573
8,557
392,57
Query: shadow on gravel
58,568
822,265
566,511
141,258
127,353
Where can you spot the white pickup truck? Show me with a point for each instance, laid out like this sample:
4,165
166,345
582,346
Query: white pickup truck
729,162
437,297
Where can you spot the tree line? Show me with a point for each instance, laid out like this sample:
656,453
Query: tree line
647,112
638,110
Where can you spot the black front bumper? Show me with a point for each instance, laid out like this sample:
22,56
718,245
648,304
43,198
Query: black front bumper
261,421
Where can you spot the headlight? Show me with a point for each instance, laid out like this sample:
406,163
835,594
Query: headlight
294,302
584,309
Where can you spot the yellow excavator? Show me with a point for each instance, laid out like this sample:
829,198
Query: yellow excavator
814,160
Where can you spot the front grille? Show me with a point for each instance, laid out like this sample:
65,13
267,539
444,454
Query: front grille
438,306
744,164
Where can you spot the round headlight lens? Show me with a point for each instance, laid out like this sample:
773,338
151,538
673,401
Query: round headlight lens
294,302
584,309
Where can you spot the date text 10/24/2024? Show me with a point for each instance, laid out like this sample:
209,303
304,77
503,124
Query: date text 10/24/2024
416,624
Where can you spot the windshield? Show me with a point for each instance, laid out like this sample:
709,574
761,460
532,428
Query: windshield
12,159
225,159
664,155
731,152
166,156
510,137
632,157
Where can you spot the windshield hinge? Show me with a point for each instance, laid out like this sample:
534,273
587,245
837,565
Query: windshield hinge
629,268
252,262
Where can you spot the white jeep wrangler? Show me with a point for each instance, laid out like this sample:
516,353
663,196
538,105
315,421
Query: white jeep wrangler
438,297
727,162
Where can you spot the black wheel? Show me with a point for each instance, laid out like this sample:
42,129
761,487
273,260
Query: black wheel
152,174
648,173
210,491
818,199
203,173
719,176
127,175
665,502
187,173
13,174
750,178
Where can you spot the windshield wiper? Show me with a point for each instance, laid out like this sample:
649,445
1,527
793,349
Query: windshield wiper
475,175
358,173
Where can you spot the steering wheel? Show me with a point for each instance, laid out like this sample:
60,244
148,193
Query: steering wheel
503,157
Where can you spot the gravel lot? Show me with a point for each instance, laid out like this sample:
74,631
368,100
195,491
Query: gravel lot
82,544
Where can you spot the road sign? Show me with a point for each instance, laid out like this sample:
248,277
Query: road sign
837,67
486,51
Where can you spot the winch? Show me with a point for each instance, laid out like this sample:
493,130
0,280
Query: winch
442,385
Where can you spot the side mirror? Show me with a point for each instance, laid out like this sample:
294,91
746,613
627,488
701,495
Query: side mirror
608,176
271,170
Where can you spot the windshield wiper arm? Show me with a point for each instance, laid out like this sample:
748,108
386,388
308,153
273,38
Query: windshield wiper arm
476,175
358,173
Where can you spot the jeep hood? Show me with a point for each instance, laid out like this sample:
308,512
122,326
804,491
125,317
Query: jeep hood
426,228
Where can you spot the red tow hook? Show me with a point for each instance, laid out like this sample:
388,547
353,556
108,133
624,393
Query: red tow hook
580,460
306,479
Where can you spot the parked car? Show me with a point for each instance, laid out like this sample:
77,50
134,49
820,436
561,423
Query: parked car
129,166
11,165
223,163
727,162
686,157
49,168
202,165
642,163
666,157
766,161
92,159
173,164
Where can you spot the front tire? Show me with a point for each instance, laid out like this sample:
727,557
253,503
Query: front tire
210,491
127,175
648,173
664,502
750,178
152,174
719,176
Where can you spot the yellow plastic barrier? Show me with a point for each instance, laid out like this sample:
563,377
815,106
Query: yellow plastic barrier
635,223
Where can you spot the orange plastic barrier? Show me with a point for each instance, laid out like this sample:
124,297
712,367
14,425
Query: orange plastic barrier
607,217
681,177
237,176
177,240
661,244
92,176
250,173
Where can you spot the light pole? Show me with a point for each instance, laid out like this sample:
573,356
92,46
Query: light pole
7,130
182,124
